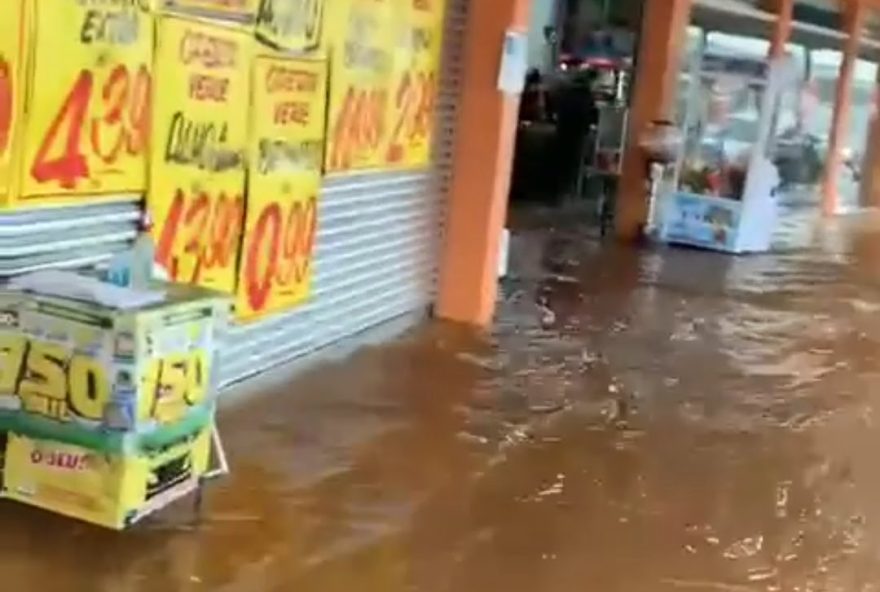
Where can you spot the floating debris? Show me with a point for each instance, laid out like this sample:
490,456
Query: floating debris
748,547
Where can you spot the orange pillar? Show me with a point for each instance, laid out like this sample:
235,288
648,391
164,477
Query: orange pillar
482,162
661,51
870,189
782,31
855,13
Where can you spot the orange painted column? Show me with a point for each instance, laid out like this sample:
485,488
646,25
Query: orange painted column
870,186
661,51
482,163
855,13
782,31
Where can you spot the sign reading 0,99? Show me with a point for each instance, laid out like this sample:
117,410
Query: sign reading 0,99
89,113
285,154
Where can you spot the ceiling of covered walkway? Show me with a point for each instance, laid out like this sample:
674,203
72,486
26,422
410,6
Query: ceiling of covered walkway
818,23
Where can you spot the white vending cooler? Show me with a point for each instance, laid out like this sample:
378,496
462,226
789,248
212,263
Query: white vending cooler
723,192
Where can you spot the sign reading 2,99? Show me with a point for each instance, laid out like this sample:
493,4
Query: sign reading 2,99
89,116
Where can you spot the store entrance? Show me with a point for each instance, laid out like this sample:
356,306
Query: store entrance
575,105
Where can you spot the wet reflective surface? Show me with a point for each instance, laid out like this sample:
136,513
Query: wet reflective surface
639,420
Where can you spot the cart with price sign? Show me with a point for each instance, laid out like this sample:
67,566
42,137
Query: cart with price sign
108,414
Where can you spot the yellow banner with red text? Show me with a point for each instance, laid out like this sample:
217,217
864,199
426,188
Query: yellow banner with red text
91,92
386,62
13,66
200,131
88,104
361,49
284,181
416,69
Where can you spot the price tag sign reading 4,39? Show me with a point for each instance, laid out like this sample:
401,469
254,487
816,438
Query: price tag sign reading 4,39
89,113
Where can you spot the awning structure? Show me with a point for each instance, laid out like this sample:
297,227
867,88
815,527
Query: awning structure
817,23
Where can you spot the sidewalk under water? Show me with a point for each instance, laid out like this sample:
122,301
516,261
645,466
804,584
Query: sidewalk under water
638,420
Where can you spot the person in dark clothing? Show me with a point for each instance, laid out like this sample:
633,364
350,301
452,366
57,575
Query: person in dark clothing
533,103
576,114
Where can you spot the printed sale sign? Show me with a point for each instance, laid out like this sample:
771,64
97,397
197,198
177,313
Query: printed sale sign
362,34
285,155
417,52
386,61
200,131
293,25
113,491
12,58
103,371
89,104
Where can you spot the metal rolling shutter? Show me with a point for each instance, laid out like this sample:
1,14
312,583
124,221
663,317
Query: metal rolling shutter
74,236
377,246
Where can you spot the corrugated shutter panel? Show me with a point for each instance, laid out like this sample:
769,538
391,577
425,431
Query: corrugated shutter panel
377,246
74,236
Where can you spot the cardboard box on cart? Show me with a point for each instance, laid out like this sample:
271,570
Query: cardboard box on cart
109,412
113,491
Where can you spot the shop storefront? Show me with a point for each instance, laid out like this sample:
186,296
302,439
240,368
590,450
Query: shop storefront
295,154
395,230
820,137
816,45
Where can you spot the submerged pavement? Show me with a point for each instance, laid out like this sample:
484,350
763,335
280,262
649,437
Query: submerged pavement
638,420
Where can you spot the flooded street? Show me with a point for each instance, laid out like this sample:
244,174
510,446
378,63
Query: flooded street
638,420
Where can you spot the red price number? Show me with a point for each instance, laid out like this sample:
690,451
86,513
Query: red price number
106,125
279,253
359,126
6,105
201,234
414,100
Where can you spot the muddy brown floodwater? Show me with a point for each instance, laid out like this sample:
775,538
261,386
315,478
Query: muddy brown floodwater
638,420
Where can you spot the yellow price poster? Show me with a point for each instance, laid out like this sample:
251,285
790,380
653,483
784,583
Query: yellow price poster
293,25
362,43
417,55
12,68
232,8
286,150
200,131
89,100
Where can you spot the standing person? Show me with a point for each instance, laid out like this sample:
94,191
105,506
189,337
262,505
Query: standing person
533,104
576,114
